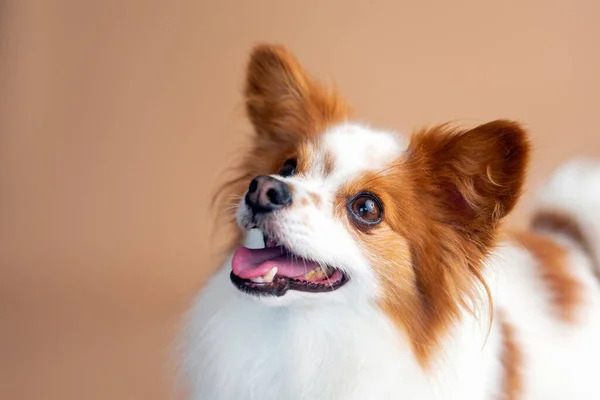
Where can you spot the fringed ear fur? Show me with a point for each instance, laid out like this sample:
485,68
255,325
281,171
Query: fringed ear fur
476,175
283,101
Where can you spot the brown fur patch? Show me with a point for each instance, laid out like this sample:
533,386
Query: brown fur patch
441,207
511,358
303,202
565,224
328,163
316,199
551,259
283,101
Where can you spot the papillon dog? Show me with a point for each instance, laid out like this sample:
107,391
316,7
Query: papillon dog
372,265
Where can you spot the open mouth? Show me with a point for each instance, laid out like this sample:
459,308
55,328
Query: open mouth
275,269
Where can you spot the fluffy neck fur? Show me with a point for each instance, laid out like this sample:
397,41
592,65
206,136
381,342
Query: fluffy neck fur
243,349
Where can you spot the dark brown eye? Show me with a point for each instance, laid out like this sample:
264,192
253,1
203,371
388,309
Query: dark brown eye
288,168
366,209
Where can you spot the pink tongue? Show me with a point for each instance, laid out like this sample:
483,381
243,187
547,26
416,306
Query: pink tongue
254,263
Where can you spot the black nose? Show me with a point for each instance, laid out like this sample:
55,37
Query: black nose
266,194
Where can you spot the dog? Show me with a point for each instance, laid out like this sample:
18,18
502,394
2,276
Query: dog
372,265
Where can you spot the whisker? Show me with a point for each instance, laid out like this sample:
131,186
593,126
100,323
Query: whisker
325,270
305,267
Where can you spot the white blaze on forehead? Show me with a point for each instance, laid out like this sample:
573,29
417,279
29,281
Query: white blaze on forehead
356,149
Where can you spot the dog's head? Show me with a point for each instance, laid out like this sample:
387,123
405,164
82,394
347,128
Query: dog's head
353,214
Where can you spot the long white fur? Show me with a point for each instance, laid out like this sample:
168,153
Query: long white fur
340,345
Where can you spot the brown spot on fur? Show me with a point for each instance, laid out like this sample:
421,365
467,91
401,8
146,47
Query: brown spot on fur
303,202
328,163
442,205
511,358
551,259
291,189
566,225
316,199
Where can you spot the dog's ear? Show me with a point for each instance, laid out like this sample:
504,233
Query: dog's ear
474,177
283,101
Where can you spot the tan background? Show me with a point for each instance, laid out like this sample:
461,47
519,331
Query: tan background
117,116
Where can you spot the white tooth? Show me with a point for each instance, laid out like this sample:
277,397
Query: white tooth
268,277
258,280
254,239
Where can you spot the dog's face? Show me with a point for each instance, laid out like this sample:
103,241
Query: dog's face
352,214
317,214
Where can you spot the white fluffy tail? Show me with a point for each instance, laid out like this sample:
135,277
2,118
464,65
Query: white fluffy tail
570,205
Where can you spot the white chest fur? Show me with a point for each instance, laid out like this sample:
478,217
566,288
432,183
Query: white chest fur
240,349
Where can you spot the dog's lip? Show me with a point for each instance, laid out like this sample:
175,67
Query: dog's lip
274,269
280,285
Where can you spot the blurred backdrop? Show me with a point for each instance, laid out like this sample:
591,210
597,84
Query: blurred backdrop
117,119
